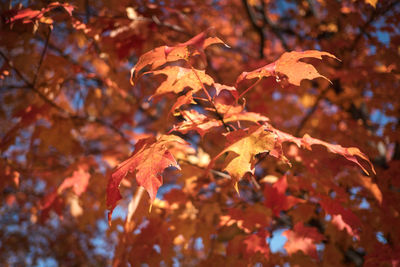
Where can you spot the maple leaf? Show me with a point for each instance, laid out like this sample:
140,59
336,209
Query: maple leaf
198,42
154,59
78,181
220,87
307,141
266,71
182,100
276,198
179,78
28,15
64,96
163,54
338,221
383,255
248,246
52,201
246,116
242,147
25,15
148,161
289,64
249,219
347,220
197,122
257,243
367,183
302,238
27,116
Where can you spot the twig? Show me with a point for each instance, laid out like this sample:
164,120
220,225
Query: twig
275,30
257,28
70,115
245,91
312,8
15,69
87,11
219,173
170,26
129,99
311,111
220,117
42,57
373,17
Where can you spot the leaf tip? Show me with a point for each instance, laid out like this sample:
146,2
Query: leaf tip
237,188
373,169
366,172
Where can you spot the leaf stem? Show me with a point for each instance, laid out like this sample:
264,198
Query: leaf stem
245,91
220,117
310,112
42,57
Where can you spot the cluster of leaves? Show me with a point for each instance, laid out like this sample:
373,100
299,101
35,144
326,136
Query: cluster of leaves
95,109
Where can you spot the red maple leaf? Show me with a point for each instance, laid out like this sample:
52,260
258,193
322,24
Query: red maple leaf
302,238
276,199
289,65
148,162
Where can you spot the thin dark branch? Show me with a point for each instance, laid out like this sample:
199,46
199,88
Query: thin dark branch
311,8
275,30
375,15
66,113
42,57
13,86
19,74
257,28
396,154
219,116
219,173
87,11
311,111
170,26
99,80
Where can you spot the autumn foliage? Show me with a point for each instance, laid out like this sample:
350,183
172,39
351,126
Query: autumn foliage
200,133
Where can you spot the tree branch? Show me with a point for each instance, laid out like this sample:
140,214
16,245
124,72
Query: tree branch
42,57
66,113
220,117
311,111
257,28
275,30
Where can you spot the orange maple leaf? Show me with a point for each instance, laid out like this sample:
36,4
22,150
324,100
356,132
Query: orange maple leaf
289,65
163,54
179,78
307,141
302,238
242,147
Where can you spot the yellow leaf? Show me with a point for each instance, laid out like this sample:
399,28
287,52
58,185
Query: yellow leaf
372,2
242,147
